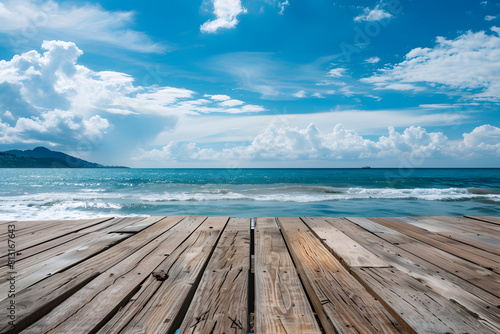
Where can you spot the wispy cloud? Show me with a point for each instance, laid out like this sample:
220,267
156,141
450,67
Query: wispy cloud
470,63
336,72
282,6
33,21
226,12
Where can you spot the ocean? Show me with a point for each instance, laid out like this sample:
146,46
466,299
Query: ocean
39,194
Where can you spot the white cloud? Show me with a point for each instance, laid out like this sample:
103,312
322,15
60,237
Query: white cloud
218,97
484,139
51,91
318,95
282,6
54,126
372,60
8,114
239,128
490,17
30,20
401,87
471,63
227,12
373,15
300,94
336,72
231,103
291,143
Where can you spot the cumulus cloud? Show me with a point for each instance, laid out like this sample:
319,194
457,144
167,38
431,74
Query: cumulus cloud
291,143
484,139
372,15
29,20
490,17
226,12
50,91
53,127
471,63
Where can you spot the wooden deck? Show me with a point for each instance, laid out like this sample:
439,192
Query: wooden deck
237,275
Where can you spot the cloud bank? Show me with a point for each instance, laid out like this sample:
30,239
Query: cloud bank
284,143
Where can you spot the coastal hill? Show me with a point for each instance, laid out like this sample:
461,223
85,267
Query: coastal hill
42,157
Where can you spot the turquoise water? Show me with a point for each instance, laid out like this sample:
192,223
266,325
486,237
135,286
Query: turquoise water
78,193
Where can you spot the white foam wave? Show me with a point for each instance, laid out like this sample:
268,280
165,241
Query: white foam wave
88,203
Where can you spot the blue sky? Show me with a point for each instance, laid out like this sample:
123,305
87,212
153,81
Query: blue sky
262,83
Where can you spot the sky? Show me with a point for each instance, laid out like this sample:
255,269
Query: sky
253,83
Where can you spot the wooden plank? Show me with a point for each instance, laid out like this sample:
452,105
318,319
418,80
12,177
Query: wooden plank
471,224
281,305
342,246
491,220
471,272
60,229
28,273
220,304
26,228
40,298
89,308
341,302
160,304
136,226
466,235
54,247
478,256
421,308
473,298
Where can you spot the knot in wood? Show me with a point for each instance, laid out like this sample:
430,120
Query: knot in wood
160,275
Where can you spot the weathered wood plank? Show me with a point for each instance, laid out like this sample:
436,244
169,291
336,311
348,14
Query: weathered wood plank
343,247
490,220
40,298
485,229
30,272
471,272
63,228
89,308
475,255
441,281
26,228
472,235
54,247
220,304
160,304
281,305
421,308
135,226
341,302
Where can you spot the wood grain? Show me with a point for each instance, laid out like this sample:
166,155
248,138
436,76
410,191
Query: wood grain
220,304
341,302
160,304
42,297
281,305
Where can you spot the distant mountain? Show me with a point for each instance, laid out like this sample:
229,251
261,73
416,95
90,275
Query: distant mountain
42,157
